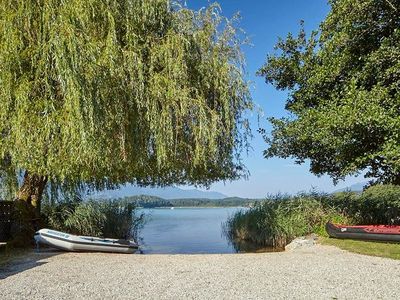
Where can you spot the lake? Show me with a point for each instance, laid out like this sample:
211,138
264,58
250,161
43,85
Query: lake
185,230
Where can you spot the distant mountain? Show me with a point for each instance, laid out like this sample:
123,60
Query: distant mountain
165,193
358,187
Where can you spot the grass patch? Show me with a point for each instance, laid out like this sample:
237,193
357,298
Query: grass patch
381,249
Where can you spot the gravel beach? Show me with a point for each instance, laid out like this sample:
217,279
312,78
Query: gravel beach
319,272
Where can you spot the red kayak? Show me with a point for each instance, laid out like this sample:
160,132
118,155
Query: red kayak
388,233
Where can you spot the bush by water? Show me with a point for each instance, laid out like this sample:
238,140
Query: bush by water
106,218
277,221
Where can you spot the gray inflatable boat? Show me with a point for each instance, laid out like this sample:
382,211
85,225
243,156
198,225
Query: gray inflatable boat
70,242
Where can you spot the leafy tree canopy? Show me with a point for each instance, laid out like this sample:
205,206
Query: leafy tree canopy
344,92
111,91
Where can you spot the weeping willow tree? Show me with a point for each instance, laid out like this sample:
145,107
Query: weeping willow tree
103,92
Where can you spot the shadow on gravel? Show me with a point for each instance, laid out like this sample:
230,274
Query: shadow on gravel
27,260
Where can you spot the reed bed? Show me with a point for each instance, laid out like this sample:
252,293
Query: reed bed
276,221
106,218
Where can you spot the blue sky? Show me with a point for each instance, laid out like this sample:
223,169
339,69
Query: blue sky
264,21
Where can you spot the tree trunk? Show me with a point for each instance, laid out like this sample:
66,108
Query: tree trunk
31,191
27,212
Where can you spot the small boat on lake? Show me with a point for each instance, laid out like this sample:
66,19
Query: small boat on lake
389,233
70,242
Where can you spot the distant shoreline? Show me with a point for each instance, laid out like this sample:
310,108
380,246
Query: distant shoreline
183,207
156,202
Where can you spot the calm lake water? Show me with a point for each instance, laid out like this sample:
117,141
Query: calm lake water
185,230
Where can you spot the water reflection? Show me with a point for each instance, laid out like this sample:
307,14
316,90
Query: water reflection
241,246
186,231
190,231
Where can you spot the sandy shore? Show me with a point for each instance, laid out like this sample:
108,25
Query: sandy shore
319,272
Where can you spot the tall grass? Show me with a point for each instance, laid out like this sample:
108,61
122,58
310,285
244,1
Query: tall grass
379,204
108,218
275,223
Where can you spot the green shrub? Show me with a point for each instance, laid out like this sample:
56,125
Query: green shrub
346,203
88,218
380,204
111,218
275,223
56,214
121,220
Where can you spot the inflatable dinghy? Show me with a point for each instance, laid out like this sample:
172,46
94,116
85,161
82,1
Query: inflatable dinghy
70,242
389,233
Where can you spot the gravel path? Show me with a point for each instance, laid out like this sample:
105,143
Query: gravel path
319,272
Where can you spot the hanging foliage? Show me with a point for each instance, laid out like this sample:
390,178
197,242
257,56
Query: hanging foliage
106,92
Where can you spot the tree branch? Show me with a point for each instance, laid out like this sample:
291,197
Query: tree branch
391,4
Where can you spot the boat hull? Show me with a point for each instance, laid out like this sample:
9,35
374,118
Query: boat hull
69,242
373,233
